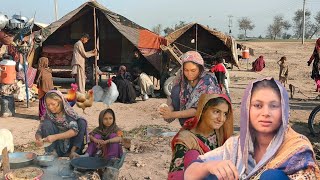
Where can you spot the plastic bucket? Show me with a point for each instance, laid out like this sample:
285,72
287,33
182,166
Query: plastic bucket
8,71
245,54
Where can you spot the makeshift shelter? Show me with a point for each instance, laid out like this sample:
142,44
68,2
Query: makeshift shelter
117,38
208,42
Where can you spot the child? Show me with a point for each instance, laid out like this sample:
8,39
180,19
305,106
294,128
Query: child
106,138
45,84
284,70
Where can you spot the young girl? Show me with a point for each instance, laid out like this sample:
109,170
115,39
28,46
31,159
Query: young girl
267,147
209,129
284,70
45,84
106,137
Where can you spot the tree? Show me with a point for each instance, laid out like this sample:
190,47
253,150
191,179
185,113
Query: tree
276,29
298,23
245,24
157,29
315,28
178,25
168,30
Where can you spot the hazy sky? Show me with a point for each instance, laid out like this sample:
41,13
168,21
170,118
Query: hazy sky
149,13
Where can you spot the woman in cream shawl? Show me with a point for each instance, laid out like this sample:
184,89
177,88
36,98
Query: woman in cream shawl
267,145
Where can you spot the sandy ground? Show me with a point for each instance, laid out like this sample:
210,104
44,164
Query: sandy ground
149,157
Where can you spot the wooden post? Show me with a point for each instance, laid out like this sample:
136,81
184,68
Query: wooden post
5,162
95,44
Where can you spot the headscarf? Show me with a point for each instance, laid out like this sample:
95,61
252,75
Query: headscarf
68,110
122,68
318,44
106,131
226,130
187,100
43,63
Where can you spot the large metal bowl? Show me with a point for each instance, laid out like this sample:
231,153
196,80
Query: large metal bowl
20,159
45,160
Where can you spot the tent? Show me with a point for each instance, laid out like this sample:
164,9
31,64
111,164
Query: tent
208,42
117,37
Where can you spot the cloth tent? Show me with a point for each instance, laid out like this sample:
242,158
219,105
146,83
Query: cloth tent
117,37
209,43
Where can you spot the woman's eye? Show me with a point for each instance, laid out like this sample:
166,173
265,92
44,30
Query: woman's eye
257,105
274,106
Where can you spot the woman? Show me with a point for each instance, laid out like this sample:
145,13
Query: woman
258,64
284,70
209,129
191,82
62,127
45,84
315,57
127,93
267,147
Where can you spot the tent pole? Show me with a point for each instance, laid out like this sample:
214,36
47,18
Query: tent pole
196,37
95,44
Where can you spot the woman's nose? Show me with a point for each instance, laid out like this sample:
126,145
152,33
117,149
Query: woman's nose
266,110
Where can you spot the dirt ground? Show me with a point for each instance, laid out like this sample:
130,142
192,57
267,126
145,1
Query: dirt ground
149,156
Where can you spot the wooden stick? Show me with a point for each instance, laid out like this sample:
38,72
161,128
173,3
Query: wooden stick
5,162
95,44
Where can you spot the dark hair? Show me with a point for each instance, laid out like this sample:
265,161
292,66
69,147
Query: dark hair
266,84
85,35
283,58
215,102
110,111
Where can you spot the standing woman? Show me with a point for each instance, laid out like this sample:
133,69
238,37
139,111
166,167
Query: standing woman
62,127
190,83
44,83
209,129
267,147
315,57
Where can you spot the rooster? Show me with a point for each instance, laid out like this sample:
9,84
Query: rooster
87,102
72,94
108,95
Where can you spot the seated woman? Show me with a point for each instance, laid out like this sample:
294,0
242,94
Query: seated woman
190,83
209,129
267,147
126,90
62,127
258,64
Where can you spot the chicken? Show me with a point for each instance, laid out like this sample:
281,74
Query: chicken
111,93
72,94
87,102
6,140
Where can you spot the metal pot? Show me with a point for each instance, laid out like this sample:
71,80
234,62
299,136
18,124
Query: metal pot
45,160
15,23
20,159
89,163
3,21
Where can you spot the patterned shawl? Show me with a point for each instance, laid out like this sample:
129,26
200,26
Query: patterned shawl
105,131
288,151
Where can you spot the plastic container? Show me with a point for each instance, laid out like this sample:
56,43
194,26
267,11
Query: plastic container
8,71
245,54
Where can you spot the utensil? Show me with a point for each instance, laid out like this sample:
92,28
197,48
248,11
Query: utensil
3,21
89,163
45,143
45,160
20,159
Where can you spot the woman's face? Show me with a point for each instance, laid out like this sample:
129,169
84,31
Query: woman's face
265,111
53,105
191,71
215,116
107,119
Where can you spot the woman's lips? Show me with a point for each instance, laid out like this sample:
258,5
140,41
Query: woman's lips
265,123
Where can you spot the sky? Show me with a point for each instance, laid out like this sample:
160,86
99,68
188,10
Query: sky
149,13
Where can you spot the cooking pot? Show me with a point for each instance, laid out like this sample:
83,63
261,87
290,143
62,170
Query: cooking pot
20,159
3,21
89,163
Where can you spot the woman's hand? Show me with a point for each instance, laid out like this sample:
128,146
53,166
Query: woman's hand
50,138
105,142
166,113
39,143
73,155
223,169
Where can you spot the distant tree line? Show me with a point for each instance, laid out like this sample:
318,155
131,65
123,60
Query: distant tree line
277,30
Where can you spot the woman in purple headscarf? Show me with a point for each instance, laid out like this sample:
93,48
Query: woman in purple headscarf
190,83
267,148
